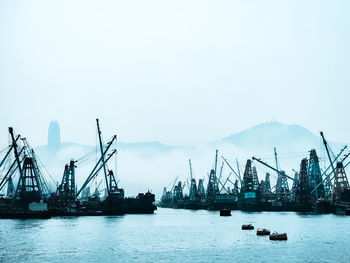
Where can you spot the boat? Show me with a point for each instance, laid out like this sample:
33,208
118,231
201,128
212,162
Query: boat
263,232
247,227
141,204
225,212
278,236
323,207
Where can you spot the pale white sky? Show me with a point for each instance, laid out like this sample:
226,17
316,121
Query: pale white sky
181,72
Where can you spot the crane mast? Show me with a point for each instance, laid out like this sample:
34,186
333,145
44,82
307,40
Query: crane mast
327,150
336,158
102,155
329,156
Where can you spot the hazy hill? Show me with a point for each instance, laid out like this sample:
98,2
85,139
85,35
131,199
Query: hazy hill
263,137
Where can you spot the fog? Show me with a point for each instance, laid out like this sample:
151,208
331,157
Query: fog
183,73
144,166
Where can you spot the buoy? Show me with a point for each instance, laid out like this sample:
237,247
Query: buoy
225,212
247,227
263,232
277,236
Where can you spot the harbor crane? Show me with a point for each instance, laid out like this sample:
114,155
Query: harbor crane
236,174
282,173
94,172
282,177
331,163
193,192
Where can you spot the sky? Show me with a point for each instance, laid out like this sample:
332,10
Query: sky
179,72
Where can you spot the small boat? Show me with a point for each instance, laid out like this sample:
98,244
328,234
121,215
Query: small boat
247,227
277,236
225,212
263,232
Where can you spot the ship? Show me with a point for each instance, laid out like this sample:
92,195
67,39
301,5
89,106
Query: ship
32,198
143,203
28,198
68,200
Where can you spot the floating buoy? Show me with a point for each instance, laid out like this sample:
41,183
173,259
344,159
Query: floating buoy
247,227
225,212
277,236
263,232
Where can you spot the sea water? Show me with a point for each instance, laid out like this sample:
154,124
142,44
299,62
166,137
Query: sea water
176,235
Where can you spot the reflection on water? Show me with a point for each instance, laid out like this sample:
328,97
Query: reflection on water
176,236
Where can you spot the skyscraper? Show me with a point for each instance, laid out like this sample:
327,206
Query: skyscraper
54,137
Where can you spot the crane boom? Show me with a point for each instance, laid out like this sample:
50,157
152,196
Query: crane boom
239,172
329,167
269,166
102,155
232,183
10,171
14,144
97,164
222,166
92,175
327,150
237,175
223,185
8,152
174,183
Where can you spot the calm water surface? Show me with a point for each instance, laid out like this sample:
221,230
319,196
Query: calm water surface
176,236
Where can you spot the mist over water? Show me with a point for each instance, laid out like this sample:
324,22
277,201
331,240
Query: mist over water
151,166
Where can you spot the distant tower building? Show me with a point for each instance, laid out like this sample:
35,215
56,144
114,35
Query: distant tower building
54,137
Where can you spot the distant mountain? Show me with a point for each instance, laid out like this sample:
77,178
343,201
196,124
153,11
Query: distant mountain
265,136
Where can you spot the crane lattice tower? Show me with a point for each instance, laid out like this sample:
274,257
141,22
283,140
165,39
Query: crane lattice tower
341,184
